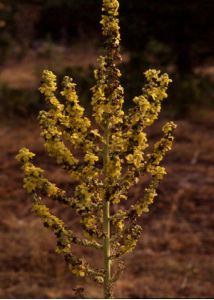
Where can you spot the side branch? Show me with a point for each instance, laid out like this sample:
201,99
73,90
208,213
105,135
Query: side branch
64,235
150,165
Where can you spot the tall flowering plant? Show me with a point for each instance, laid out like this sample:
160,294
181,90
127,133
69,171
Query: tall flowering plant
114,157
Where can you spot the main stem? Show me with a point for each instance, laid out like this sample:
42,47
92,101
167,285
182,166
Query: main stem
106,221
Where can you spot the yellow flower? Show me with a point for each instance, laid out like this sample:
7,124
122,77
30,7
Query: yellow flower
24,155
106,159
91,158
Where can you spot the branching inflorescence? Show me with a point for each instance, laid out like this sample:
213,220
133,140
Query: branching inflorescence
114,156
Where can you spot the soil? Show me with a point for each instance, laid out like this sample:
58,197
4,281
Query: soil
174,256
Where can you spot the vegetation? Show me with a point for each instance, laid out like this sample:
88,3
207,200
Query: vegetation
114,157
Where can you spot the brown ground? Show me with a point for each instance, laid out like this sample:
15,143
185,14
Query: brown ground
174,257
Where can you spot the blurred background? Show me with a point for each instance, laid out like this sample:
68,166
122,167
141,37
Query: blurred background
174,258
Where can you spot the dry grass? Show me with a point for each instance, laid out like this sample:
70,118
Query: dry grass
174,257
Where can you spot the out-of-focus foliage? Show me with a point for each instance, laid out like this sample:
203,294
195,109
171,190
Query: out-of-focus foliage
18,101
67,20
5,36
175,36
185,28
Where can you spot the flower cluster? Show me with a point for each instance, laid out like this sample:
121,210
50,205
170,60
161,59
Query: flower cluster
111,157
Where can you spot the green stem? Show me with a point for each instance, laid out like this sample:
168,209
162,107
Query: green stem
106,221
